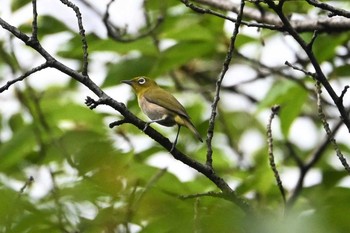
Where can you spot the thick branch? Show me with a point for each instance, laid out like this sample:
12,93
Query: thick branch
332,9
321,23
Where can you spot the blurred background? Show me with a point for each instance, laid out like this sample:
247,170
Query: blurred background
62,169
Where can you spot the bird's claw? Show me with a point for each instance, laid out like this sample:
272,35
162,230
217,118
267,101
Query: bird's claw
146,126
172,148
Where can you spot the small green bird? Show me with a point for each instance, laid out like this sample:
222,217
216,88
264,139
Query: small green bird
161,106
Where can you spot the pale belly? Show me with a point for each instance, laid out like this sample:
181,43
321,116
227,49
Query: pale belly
156,112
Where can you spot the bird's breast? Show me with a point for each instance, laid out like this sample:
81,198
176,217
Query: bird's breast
153,111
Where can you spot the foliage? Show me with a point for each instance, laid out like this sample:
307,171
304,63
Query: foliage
62,169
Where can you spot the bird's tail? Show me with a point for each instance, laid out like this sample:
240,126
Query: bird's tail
193,129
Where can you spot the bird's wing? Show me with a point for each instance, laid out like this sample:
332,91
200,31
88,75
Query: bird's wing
166,100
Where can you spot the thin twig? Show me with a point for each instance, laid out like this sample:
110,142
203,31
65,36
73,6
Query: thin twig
23,76
119,34
208,96
229,54
117,123
308,73
207,194
35,21
136,196
61,216
152,33
82,34
313,39
196,217
341,97
305,168
27,184
328,130
274,112
294,155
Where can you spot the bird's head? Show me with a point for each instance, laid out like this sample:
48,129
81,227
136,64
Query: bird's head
140,84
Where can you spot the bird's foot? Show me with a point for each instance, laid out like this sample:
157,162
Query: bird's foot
172,148
146,126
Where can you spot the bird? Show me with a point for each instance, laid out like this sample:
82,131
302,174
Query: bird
161,106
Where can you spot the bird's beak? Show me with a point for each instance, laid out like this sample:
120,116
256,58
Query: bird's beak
127,82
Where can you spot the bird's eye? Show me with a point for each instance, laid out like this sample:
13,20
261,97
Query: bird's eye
141,81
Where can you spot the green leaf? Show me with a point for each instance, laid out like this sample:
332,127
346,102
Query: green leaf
160,219
262,179
73,48
15,150
290,97
219,215
180,54
291,7
331,177
244,39
187,27
47,25
17,4
157,5
329,204
59,109
189,32
162,180
324,50
236,123
75,143
16,122
342,71
96,153
7,58
128,69
7,208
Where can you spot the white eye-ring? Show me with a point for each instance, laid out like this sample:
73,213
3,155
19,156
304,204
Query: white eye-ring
141,81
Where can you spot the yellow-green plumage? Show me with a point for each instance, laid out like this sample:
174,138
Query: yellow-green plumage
161,106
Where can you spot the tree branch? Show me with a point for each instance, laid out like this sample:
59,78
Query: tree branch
308,73
207,194
314,158
320,76
118,34
27,184
121,108
274,112
35,21
322,24
234,20
225,67
23,76
82,34
328,130
334,10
